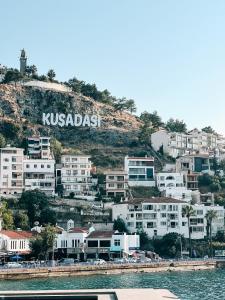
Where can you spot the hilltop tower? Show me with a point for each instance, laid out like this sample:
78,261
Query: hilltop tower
23,61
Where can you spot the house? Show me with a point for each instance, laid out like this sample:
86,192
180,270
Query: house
11,171
159,216
140,170
116,183
15,241
173,185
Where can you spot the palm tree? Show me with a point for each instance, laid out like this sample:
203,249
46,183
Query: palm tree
188,212
210,216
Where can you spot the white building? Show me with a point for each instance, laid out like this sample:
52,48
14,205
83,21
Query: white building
76,174
39,174
172,185
11,171
39,147
140,170
168,180
116,183
176,144
159,216
17,242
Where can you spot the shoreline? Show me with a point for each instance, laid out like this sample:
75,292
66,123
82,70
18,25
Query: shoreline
72,271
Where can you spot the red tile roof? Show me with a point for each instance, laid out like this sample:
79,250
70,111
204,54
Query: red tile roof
17,235
101,234
79,230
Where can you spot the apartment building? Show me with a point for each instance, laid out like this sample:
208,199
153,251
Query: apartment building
11,171
75,172
177,144
39,174
159,216
39,147
196,163
172,185
116,182
140,170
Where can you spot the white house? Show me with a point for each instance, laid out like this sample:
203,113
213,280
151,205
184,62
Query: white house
76,174
140,170
39,174
11,170
172,185
15,241
159,216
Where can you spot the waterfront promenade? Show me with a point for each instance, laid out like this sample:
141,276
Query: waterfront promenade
110,268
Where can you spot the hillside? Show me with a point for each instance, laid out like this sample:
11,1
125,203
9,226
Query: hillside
22,107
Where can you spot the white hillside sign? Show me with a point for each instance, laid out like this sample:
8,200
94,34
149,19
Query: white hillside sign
74,120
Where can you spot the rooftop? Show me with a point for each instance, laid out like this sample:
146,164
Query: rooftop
17,235
101,234
152,200
79,230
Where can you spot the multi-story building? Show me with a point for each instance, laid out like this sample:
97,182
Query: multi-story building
11,170
168,180
39,147
176,144
116,183
140,170
76,174
196,163
159,216
172,185
39,174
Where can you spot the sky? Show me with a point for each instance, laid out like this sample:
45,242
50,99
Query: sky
167,55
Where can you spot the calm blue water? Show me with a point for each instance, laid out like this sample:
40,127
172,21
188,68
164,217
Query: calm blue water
202,285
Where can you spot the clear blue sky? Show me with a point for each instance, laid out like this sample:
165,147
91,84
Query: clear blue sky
168,55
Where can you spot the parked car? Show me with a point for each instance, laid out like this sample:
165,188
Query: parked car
66,262
99,262
12,265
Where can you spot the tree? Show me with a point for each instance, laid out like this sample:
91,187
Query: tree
33,70
12,75
176,125
21,220
205,180
169,245
51,74
34,202
130,106
9,129
145,133
188,212
56,149
210,216
209,129
2,141
152,119
7,216
145,241
43,243
120,225
48,216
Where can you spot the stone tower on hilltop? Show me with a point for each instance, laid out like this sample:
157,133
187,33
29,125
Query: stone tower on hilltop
23,61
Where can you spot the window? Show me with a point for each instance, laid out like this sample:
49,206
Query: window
13,159
74,159
27,166
163,223
93,244
75,172
147,207
48,166
105,244
151,224
35,166
138,224
68,172
42,166
116,242
5,167
163,215
82,172
111,184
